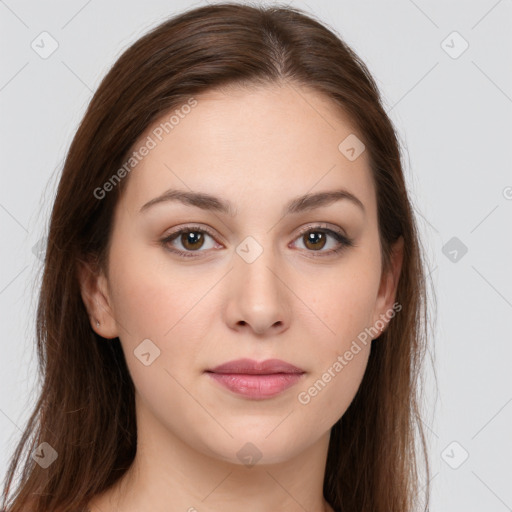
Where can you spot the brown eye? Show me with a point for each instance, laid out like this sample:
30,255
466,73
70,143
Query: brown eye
192,240
315,240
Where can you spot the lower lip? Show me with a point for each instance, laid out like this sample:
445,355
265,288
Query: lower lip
256,386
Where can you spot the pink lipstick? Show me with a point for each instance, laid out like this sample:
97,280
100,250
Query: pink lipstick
256,380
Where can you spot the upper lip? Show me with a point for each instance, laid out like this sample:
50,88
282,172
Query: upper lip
252,367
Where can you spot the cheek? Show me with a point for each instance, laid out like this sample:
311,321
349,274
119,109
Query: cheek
343,308
148,301
338,371
170,307
342,347
331,392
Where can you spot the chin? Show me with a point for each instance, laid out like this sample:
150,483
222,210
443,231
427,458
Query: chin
259,446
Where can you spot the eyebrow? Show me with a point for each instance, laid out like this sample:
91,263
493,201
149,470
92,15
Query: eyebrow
209,202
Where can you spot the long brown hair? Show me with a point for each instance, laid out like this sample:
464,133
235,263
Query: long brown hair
86,408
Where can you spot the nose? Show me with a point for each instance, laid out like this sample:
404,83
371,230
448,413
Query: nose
258,298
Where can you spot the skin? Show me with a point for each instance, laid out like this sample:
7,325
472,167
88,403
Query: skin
258,148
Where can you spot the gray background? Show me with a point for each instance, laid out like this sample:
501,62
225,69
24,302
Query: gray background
453,110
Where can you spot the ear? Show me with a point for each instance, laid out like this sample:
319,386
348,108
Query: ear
388,286
94,291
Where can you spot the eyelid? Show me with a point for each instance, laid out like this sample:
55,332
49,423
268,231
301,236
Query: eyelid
322,225
342,238
192,227
344,241
189,228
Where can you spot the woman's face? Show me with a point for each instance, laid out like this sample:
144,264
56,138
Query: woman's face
254,169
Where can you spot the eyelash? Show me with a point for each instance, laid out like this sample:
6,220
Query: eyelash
344,241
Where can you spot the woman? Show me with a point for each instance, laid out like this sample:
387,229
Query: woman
232,311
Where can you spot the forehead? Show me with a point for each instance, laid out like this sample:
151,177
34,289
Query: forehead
250,144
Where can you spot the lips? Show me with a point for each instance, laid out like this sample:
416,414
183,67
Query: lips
256,380
251,367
